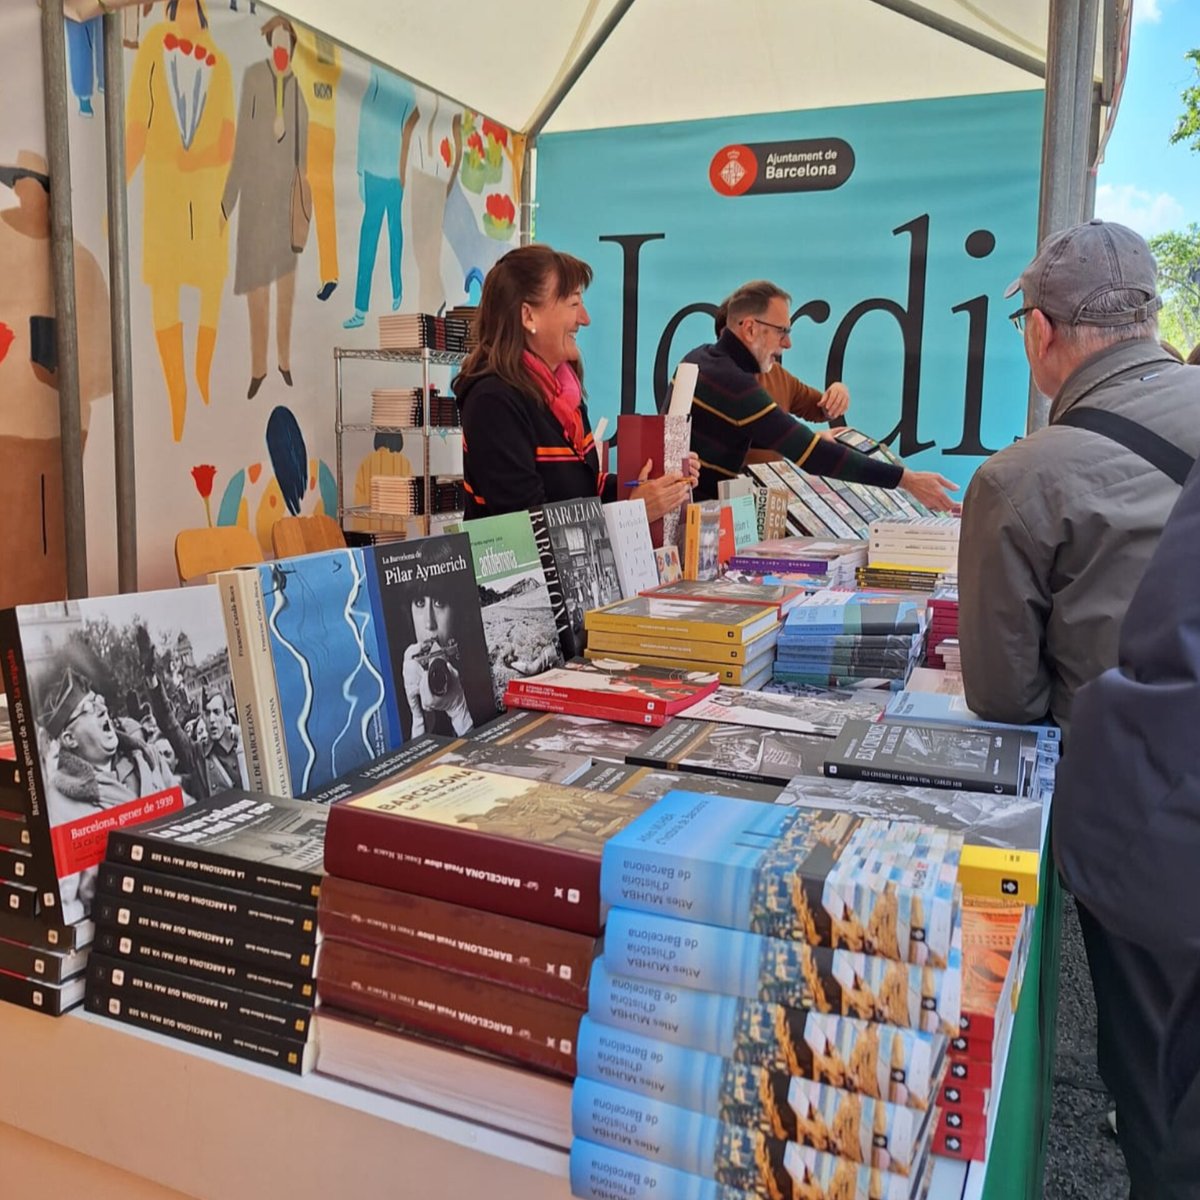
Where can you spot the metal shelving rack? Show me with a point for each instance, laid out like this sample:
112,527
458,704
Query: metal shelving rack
425,358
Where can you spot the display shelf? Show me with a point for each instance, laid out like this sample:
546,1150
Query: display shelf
213,1127
359,428
437,358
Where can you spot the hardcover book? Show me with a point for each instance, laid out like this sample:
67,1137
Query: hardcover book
689,954
629,532
668,563
849,614
744,513
884,1061
472,1011
664,441
933,756
646,783
548,766
518,616
700,621
255,844
708,540
512,846
101,694
420,752
593,1168
729,591
32,962
613,689
436,675
732,674
767,756
731,1154
54,999
517,954
562,733
800,714
851,1124
328,665
825,878
756,653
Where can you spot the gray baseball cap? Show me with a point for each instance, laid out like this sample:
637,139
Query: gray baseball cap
1074,267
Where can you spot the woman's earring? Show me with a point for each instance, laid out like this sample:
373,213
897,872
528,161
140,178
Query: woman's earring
532,330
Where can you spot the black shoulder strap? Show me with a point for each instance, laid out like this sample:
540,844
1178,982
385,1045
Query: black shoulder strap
1145,443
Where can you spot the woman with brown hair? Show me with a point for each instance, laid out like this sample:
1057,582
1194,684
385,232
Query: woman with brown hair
526,435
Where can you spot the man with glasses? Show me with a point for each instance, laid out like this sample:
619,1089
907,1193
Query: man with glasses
732,414
1058,528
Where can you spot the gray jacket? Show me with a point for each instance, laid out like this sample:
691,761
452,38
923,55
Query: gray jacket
1057,531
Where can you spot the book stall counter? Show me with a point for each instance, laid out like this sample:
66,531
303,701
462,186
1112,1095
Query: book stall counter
127,1114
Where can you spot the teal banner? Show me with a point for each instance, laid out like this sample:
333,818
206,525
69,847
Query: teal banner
895,227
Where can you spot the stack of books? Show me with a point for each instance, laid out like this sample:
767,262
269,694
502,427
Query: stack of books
943,620
774,1002
950,654
464,906
397,495
446,493
913,552
850,639
206,927
404,408
830,563
613,690
417,331
735,639
465,315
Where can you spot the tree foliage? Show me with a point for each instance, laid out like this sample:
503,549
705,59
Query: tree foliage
1187,128
1178,255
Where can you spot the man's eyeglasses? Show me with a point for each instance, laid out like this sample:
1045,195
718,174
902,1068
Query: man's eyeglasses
89,706
1018,318
782,330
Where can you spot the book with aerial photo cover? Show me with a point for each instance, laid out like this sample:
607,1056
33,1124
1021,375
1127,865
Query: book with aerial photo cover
815,714
107,696
826,878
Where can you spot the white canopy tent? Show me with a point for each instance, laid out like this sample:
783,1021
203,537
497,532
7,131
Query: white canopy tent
556,65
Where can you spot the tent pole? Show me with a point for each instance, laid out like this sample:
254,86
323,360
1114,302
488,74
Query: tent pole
62,257
1093,149
964,33
526,220
118,276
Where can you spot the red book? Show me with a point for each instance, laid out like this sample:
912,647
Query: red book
967,1142
665,443
962,1096
508,845
624,691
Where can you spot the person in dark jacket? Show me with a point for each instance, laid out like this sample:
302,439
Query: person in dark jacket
526,435
732,414
1127,840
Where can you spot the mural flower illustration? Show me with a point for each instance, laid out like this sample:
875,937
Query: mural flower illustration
203,477
483,153
494,131
445,151
498,217
6,340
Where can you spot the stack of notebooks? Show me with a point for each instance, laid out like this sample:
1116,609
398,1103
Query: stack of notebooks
417,331
206,927
403,408
612,690
950,654
463,906
850,639
397,495
465,314
773,1004
829,563
911,552
733,638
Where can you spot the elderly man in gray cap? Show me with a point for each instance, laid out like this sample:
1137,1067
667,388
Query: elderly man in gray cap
1058,528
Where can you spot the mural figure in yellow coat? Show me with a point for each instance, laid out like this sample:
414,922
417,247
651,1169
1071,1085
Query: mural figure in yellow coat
179,129
272,143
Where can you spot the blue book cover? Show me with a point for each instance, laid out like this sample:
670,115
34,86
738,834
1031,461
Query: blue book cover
435,655
838,681
687,954
849,1123
328,668
602,1173
826,878
850,616
900,1065
728,1154
948,708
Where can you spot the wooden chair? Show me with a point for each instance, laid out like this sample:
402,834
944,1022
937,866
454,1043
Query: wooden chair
291,536
199,552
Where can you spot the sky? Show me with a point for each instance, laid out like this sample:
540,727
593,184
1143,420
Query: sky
1144,181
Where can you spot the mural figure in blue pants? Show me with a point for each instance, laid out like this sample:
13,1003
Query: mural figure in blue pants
384,129
85,56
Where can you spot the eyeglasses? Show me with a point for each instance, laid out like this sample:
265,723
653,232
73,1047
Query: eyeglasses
782,330
1018,318
90,706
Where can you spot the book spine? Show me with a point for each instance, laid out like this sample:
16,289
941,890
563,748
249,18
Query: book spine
601,712
275,775
24,732
677,650
471,1011
45,966
14,832
694,517
990,872
12,795
881,1060
733,962
19,899
201,964
46,998
535,882
291,1022
184,896
603,1173
197,931
517,954
194,1023
16,866
779,566
871,1130
236,634
45,935
726,674
572,699
929,779
128,846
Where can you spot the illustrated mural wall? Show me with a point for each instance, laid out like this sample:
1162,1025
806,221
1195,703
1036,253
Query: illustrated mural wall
895,227
240,126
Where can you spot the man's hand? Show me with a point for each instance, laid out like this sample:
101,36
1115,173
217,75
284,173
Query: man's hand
929,487
145,650
836,400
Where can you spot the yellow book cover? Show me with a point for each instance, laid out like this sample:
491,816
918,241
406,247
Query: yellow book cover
990,872
701,621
